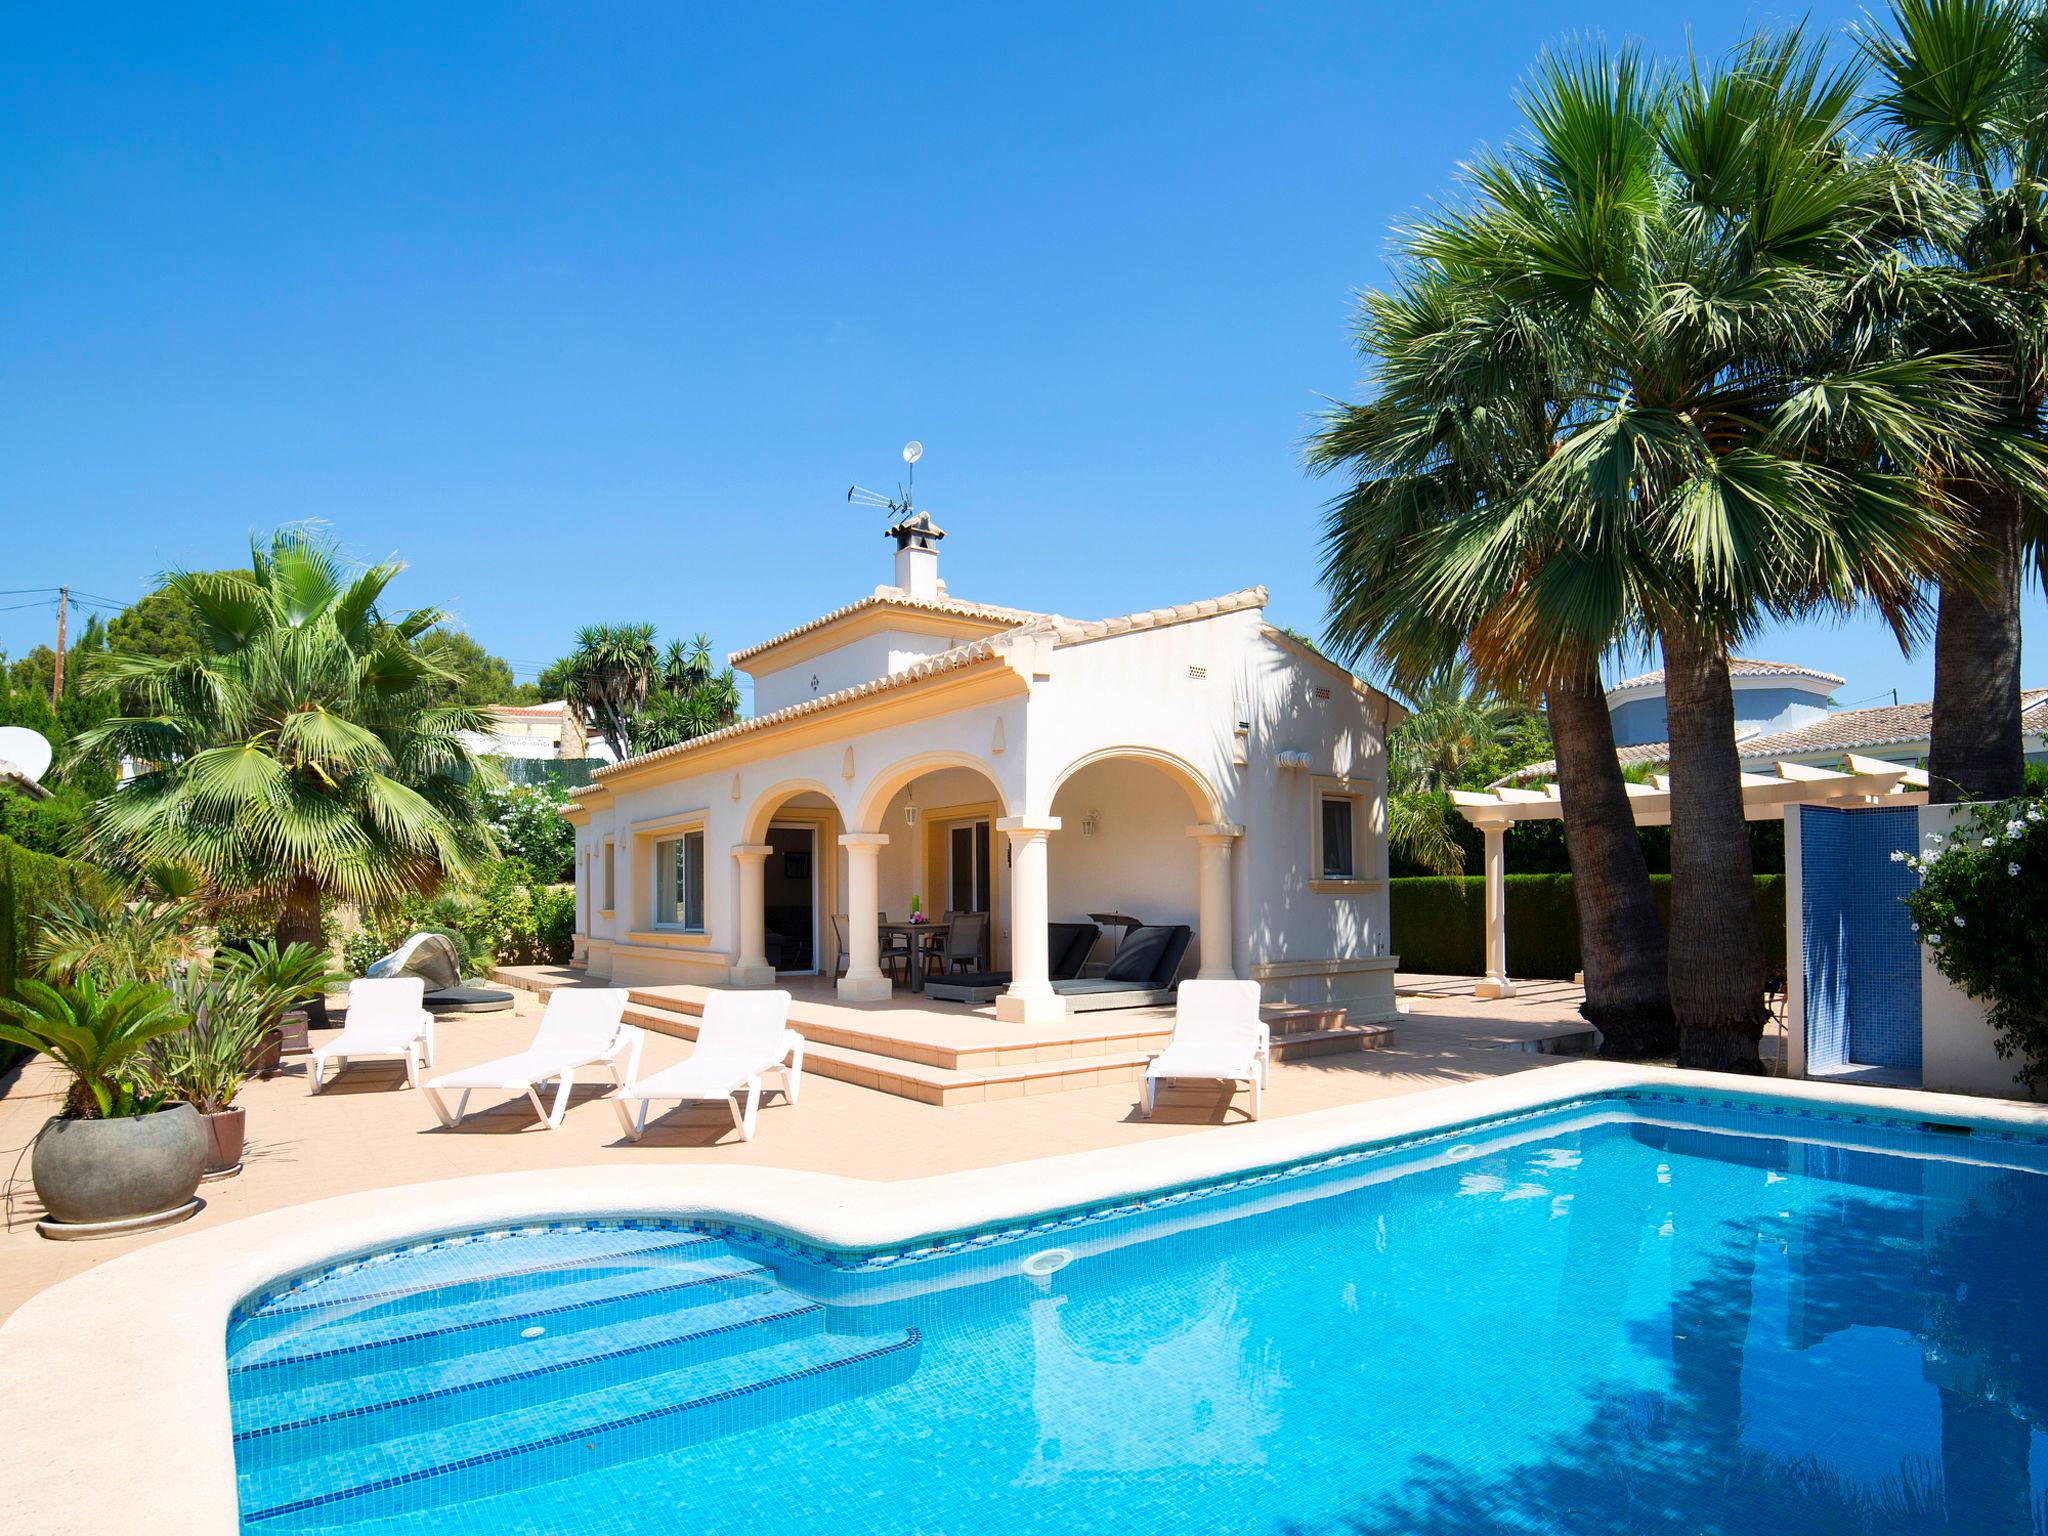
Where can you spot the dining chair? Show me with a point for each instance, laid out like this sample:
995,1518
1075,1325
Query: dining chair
964,933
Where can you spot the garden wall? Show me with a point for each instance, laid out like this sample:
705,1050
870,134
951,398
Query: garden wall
1439,924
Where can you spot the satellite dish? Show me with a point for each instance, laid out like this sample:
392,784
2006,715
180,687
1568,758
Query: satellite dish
912,451
25,749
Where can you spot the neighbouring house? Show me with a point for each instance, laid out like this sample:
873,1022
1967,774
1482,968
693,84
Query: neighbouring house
1783,715
1184,765
529,731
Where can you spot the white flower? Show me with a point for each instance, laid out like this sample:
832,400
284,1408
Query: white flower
2015,827
2013,870
2033,813
1987,842
1898,855
1959,921
1934,938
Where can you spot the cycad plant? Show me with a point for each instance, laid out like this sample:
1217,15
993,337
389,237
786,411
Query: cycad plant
304,754
1963,84
96,1033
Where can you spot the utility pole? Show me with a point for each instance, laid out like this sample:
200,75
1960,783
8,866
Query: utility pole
57,682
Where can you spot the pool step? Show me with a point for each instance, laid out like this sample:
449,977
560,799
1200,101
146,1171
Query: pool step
301,1421
474,1266
401,1332
565,1436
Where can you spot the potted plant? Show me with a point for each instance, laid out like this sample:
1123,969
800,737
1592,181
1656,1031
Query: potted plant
115,1160
206,1063
287,974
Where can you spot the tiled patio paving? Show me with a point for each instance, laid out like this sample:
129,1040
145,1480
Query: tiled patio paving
366,1131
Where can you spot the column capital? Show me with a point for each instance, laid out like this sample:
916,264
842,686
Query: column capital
1207,832
1024,828
863,839
752,850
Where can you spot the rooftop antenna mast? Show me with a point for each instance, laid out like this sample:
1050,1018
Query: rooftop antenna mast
901,507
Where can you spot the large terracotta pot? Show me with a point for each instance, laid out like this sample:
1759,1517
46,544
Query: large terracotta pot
268,1055
91,1171
225,1133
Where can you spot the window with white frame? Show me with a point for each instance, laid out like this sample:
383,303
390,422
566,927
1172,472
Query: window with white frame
1341,833
679,882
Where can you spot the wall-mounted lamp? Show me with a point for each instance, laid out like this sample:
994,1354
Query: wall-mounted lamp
1091,823
910,806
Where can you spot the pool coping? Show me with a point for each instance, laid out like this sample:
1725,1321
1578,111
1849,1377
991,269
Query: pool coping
127,1359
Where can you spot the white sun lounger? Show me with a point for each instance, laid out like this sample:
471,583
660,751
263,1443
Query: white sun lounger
387,1020
1217,1036
582,1027
743,1037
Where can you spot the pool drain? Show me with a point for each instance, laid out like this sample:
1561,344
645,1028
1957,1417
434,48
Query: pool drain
1049,1261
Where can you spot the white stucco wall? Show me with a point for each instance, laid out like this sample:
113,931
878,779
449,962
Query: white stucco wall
1158,729
859,661
1958,1050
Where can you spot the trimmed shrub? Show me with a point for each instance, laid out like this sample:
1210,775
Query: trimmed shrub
1439,924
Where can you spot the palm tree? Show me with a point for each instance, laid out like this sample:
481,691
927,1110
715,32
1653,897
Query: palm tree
1451,719
1737,437
1964,85
1468,405
611,672
306,753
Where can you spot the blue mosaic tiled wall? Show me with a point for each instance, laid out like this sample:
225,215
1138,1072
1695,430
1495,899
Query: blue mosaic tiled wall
1860,957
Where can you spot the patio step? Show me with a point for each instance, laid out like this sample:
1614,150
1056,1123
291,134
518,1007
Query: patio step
918,1080
1147,1031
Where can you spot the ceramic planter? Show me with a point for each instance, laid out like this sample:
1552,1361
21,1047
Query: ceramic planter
225,1132
102,1177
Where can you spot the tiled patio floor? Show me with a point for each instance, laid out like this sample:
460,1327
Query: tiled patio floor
366,1131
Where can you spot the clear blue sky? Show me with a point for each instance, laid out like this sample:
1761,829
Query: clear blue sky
593,312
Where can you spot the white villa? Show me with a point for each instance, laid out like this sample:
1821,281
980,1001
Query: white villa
1186,765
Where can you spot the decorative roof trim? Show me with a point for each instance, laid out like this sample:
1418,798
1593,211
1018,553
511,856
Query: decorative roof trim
959,658
1075,632
893,597
1737,667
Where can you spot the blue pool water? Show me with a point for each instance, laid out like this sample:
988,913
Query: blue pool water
1639,1315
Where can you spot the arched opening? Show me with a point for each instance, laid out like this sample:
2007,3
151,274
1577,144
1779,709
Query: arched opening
1203,801
945,863
1122,849
801,884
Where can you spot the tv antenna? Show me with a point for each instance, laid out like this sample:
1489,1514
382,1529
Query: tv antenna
903,505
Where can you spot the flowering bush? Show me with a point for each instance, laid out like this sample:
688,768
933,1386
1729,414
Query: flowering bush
1982,908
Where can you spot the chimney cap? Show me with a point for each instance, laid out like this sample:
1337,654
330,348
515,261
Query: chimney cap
916,531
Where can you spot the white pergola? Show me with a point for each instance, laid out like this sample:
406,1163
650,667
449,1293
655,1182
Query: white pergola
1861,781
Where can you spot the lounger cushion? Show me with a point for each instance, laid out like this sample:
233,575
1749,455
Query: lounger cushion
1068,946
469,1000
1149,956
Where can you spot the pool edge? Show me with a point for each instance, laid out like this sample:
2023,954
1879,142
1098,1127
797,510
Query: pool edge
155,1384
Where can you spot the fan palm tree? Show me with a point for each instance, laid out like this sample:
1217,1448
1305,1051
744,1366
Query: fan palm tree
1741,437
1468,402
611,673
1450,719
1964,85
304,754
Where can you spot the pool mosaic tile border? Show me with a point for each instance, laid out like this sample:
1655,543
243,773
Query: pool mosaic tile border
945,1245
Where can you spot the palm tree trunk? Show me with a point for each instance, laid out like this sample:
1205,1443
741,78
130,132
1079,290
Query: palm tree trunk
1717,966
298,921
1976,750
1621,937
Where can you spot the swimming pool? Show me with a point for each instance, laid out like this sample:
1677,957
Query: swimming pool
1640,1312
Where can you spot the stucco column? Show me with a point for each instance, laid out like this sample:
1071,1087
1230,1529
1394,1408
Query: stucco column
1496,983
863,981
752,968
1218,933
1031,999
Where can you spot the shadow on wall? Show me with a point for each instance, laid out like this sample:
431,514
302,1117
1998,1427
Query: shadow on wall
1123,846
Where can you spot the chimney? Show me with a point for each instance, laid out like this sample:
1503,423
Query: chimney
917,556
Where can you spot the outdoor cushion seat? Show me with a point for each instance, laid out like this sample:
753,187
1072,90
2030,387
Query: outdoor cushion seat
1067,947
1143,971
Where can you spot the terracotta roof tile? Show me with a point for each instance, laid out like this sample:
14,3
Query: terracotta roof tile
894,597
1739,667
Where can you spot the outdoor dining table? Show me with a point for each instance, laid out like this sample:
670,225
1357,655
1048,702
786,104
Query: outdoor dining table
920,945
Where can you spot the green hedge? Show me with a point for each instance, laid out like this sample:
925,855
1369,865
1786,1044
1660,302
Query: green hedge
29,881
1440,923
